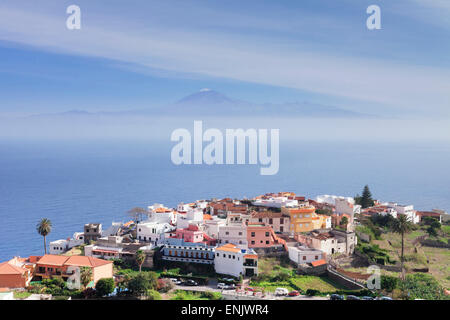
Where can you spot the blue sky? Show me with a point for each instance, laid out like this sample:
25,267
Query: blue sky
138,54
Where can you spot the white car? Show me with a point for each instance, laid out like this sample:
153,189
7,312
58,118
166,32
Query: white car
176,281
281,292
221,285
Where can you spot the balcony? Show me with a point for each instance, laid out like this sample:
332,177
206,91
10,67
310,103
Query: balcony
250,263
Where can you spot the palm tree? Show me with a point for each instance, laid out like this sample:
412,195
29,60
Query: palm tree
85,276
140,258
44,227
401,226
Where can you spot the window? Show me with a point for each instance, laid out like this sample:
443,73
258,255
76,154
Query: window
304,257
229,256
267,241
253,242
224,255
240,233
316,257
270,221
253,234
227,233
267,234
260,219
281,221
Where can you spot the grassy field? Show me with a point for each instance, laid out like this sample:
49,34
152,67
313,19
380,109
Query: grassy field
21,294
189,295
436,259
322,284
279,273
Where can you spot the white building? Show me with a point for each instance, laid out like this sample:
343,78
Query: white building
302,254
153,231
61,246
234,261
185,207
329,242
407,210
211,227
192,216
276,202
201,204
159,213
234,232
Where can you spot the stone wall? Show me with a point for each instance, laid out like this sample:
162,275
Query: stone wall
344,281
434,243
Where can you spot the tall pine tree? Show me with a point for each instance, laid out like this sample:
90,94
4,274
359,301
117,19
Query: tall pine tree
366,198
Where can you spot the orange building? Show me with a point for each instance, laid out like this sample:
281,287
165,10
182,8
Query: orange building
16,273
305,219
262,236
64,266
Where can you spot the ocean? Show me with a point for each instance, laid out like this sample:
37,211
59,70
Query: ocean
76,182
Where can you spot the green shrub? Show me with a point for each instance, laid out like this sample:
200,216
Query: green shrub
312,292
104,287
153,295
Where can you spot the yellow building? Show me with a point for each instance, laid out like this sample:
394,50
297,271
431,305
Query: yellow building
306,219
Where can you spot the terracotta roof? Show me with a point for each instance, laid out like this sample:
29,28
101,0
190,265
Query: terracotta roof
129,223
251,256
83,261
318,263
428,213
53,260
229,247
207,217
7,268
79,261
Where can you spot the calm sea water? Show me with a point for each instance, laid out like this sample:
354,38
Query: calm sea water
73,183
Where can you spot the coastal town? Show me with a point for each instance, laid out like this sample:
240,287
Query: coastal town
273,246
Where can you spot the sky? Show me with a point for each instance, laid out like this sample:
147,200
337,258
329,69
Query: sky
139,54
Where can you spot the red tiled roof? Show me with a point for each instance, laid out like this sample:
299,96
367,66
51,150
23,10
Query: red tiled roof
229,247
83,261
7,268
53,260
79,261
318,263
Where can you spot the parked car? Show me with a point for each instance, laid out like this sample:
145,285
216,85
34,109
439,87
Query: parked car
385,298
281,291
221,285
336,297
367,298
190,283
351,297
230,286
176,281
294,293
